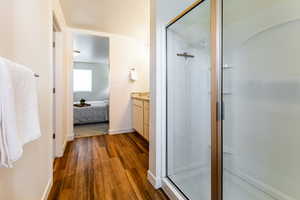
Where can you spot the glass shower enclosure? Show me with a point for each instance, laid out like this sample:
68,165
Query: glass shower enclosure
188,102
233,100
261,87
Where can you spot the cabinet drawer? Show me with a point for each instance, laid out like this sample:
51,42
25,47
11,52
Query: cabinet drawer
138,103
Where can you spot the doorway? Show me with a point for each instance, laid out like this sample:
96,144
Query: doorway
90,85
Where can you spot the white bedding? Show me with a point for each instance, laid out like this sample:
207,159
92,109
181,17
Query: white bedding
97,112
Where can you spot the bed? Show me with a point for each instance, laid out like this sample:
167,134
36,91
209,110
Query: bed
96,113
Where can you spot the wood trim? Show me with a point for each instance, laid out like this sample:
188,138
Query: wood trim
216,86
184,12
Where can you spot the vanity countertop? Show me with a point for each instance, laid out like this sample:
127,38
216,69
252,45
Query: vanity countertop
141,96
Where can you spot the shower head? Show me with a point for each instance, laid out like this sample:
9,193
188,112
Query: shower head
185,55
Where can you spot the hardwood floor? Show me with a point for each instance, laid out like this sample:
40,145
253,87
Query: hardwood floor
107,167
91,129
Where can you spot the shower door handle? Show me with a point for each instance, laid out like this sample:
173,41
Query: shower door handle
222,111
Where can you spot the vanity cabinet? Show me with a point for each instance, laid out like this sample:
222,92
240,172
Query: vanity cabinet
146,120
140,116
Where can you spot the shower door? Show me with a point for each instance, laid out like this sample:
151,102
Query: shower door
261,96
188,103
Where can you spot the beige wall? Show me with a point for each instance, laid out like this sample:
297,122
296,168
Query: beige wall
124,54
6,37
26,38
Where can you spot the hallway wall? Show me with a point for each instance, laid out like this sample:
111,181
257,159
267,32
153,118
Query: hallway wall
26,38
6,37
31,173
124,54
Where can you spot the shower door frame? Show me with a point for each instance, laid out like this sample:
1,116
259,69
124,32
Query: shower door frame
216,104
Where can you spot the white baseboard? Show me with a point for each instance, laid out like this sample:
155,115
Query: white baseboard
61,153
47,189
171,191
155,181
70,137
120,131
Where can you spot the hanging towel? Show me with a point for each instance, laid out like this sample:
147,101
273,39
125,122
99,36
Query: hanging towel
18,111
26,103
10,142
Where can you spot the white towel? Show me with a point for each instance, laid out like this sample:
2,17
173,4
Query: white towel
10,143
26,103
19,111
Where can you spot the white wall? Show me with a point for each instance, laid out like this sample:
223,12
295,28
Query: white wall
124,54
26,38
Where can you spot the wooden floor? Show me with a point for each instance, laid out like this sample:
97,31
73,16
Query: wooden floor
103,168
91,129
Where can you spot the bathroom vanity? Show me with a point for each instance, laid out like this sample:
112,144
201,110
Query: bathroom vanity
140,113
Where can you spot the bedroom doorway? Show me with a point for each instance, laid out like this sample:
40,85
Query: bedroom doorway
90,85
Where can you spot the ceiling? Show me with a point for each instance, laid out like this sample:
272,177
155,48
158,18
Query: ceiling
93,49
124,17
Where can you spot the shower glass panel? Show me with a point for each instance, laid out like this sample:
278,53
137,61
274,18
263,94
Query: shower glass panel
261,96
188,103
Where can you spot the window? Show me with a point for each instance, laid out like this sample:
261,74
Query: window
82,81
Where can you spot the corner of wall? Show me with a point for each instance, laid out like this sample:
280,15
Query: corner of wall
47,189
156,182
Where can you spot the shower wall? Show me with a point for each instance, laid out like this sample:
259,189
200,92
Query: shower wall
261,97
189,100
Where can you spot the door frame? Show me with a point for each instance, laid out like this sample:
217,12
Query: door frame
216,100
216,107
57,57
109,36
